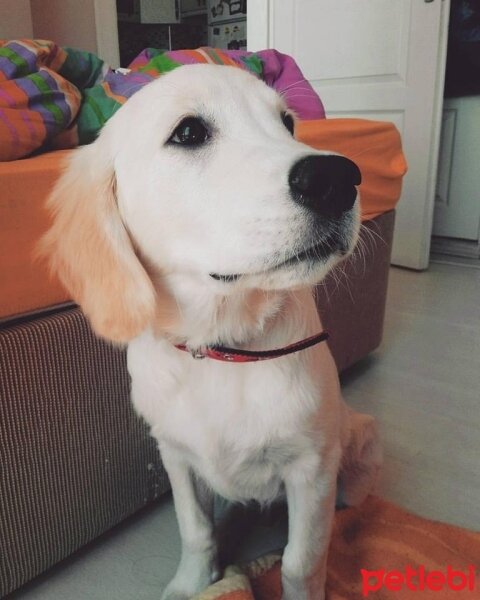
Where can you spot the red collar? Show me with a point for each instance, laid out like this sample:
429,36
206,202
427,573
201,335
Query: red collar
241,356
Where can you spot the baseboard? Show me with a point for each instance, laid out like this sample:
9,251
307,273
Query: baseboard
455,247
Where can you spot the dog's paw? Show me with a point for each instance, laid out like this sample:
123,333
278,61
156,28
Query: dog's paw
197,570
298,589
174,595
177,591
183,590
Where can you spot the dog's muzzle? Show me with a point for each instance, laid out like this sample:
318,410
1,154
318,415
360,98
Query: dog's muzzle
325,184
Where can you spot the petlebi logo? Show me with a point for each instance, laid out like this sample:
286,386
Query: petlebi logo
418,579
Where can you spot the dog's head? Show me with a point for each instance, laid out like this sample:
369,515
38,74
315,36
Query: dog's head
199,178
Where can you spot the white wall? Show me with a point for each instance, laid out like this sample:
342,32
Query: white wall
85,24
66,22
15,19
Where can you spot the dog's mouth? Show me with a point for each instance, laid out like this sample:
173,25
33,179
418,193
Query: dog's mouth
316,253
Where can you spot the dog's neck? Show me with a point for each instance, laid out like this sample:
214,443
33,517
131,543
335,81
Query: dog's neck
248,319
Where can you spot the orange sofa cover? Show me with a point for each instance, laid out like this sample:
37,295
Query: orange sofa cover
25,284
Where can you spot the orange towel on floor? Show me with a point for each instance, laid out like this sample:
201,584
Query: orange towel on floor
375,536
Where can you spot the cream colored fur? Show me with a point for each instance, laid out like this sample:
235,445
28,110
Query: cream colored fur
139,228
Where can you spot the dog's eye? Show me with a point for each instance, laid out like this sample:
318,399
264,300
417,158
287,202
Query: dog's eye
190,132
289,123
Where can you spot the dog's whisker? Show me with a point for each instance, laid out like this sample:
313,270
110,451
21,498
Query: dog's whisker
341,280
295,84
324,285
359,255
288,93
295,96
374,235
364,150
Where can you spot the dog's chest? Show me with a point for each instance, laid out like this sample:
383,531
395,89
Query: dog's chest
239,426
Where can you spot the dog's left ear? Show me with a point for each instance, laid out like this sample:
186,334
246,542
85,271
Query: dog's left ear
89,248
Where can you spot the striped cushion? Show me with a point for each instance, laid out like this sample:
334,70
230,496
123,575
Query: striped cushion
74,458
53,97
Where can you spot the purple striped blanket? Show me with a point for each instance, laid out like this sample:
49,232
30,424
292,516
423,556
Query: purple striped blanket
52,97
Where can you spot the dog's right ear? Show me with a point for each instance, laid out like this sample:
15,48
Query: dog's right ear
90,250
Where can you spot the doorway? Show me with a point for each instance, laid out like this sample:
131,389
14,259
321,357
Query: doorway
456,227
174,25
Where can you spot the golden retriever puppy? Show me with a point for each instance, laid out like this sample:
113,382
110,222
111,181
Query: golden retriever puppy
196,220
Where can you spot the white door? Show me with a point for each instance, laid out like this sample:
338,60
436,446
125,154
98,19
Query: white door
373,59
457,202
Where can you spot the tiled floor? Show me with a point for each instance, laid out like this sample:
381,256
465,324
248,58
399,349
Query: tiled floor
424,388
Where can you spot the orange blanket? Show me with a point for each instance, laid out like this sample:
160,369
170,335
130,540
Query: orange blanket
375,537
25,185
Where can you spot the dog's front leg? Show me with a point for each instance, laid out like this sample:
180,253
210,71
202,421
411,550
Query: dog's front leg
194,510
311,490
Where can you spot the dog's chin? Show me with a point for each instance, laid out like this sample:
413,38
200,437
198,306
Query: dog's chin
307,267
306,272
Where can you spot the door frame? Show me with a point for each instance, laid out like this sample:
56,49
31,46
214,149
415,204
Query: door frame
107,31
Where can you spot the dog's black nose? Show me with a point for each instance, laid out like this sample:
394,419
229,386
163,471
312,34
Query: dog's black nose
325,184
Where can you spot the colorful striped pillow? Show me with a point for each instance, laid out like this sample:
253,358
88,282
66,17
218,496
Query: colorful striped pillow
53,97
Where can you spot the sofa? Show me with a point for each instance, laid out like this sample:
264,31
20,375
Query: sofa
75,460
